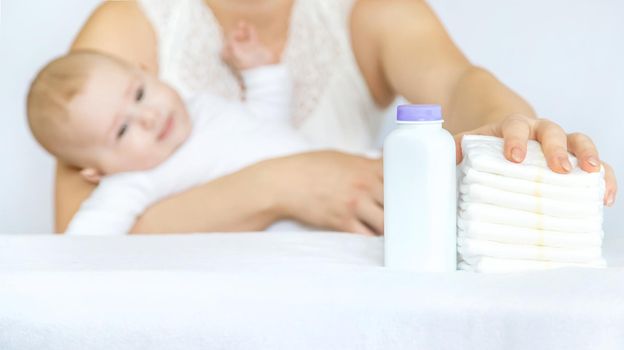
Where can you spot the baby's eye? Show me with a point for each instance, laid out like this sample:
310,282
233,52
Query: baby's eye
139,94
122,131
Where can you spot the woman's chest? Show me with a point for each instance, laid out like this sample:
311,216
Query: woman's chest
328,89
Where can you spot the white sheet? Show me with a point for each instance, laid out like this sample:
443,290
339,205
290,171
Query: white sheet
288,291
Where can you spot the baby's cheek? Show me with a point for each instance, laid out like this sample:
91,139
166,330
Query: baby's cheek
142,156
157,156
152,158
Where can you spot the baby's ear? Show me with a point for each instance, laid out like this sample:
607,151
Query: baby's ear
91,175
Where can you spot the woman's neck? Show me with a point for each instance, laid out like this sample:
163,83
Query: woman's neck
270,17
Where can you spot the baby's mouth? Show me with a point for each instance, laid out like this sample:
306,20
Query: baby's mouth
167,128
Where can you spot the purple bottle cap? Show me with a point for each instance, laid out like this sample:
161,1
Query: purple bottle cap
419,113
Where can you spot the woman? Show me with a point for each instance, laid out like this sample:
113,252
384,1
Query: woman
349,59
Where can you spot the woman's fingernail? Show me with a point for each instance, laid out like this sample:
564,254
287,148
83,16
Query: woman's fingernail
516,154
593,161
565,164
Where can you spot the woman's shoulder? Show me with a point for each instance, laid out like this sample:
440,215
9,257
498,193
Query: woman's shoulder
116,12
120,28
138,8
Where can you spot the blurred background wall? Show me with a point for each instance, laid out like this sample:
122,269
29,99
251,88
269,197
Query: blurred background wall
565,57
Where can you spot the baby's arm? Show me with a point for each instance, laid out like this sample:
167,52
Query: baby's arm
114,206
268,87
120,199
268,94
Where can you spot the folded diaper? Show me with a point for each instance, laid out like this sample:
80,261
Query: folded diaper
485,153
538,189
525,236
514,217
567,209
495,265
474,248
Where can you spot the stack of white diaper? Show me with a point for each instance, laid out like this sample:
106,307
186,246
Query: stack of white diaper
516,217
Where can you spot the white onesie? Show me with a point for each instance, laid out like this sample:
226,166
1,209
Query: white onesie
226,136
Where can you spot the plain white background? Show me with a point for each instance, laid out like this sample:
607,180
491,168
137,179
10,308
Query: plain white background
566,57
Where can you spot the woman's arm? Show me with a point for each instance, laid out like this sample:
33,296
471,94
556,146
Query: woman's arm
403,49
243,201
330,190
416,59
325,189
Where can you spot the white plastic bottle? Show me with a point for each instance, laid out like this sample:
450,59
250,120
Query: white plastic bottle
420,210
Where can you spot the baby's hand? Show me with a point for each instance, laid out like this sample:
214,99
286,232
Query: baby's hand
243,50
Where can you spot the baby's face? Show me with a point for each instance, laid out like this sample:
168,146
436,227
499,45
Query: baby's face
128,120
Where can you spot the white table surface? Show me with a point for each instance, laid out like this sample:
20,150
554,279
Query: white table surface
288,291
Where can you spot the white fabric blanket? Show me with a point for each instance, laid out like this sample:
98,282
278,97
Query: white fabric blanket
288,291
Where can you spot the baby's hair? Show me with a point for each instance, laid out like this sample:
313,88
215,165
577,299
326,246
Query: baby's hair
52,90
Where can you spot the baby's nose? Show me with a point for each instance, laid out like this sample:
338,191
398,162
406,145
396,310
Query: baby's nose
148,117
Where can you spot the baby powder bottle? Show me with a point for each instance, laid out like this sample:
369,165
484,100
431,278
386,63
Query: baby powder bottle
419,192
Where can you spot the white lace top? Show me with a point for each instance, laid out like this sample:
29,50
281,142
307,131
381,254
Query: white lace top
332,105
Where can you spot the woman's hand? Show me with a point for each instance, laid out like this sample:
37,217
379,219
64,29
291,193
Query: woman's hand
517,129
330,190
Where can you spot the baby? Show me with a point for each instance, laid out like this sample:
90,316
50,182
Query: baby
134,134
